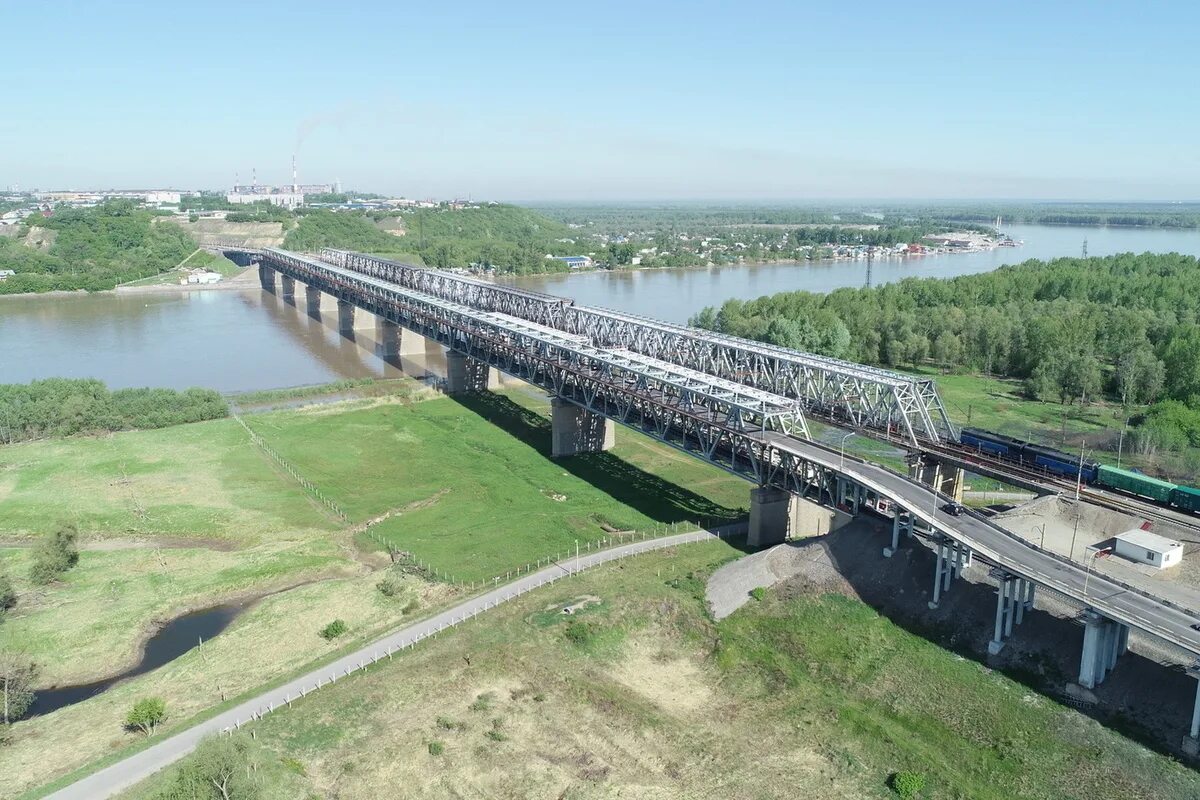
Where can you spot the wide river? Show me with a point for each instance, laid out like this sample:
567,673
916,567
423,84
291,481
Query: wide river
245,340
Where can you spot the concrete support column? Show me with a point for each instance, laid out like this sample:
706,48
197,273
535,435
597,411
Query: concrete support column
287,288
1005,593
1191,744
312,301
465,374
576,430
387,338
770,516
345,318
937,573
888,551
1090,669
266,277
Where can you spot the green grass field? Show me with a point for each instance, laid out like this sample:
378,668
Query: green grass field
472,490
191,516
641,695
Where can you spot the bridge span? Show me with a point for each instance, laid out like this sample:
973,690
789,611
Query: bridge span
602,366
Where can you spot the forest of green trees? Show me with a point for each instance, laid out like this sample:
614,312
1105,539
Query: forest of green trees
1139,215
66,406
501,237
1073,330
94,249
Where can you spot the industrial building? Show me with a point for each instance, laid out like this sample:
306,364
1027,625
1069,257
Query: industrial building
1145,547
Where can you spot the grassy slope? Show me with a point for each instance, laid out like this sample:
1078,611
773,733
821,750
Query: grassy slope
477,499
205,487
812,696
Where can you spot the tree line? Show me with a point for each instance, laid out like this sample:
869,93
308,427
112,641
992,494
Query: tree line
66,406
93,249
1073,330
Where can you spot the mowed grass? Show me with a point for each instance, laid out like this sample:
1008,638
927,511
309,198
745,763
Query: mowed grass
472,490
642,695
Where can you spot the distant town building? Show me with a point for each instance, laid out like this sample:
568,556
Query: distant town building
575,262
266,194
159,197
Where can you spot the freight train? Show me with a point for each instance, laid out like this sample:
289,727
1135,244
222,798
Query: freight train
1093,473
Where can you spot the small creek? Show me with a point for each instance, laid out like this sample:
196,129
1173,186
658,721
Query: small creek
169,643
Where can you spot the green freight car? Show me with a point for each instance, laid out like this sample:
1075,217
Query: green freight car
1134,483
1186,498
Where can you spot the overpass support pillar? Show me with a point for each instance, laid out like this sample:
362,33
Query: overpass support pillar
1191,743
1010,596
287,288
312,301
345,318
465,374
897,527
1104,640
947,479
577,430
266,278
771,516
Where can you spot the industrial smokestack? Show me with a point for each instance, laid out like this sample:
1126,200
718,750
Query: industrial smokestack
295,183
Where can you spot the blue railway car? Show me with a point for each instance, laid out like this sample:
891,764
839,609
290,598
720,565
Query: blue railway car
1058,463
991,443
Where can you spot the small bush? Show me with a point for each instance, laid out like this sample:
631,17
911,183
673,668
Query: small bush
447,724
539,698
483,702
411,606
907,784
758,593
497,734
579,633
54,555
390,586
8,595
333,630
293,765
436,748
146,715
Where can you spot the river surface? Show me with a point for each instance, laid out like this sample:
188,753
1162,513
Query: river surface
241,341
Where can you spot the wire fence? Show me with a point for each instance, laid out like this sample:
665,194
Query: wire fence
308,485
582,548
401,641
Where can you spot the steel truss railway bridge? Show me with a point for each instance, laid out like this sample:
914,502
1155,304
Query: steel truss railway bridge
737,404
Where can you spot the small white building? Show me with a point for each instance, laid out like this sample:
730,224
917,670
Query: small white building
1145,547
162,198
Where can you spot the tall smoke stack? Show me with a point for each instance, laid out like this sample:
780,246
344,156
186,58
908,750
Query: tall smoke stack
295,183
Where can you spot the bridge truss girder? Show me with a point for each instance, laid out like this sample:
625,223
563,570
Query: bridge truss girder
840,391
656,397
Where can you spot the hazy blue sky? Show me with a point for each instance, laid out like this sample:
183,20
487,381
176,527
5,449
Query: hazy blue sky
647,100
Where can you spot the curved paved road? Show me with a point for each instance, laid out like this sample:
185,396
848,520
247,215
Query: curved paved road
1015,555
123,774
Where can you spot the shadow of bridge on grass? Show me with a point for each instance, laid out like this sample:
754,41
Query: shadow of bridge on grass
649,494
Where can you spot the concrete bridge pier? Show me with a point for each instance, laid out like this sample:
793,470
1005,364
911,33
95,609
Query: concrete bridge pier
287,288
465,374
951,557
1104,640
777,515
1010,607
1191,742
387,338
946,479
266,278
345,313
576,430
312,301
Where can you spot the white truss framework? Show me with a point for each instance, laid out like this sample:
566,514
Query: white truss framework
841,391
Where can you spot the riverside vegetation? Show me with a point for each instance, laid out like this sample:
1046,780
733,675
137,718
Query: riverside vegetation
182,518
641,693
1073,331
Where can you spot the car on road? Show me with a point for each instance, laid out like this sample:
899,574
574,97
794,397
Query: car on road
953,509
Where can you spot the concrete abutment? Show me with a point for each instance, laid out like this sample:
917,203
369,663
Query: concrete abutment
465,374
777,514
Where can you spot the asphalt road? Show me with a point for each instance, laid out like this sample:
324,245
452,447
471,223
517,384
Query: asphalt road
1015,555
125,773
